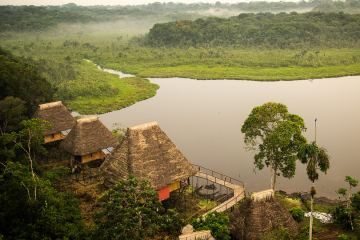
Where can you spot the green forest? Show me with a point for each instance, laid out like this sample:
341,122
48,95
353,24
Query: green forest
292,31
176,40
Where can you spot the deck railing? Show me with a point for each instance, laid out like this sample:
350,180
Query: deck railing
219,175
218,203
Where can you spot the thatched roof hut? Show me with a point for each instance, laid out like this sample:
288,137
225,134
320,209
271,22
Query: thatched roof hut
260,214
146,152
59,117
88,137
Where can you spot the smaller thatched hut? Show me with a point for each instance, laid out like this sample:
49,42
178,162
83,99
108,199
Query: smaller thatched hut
147,152
60,119
89,140
260,214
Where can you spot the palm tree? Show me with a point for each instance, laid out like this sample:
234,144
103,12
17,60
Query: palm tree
316,158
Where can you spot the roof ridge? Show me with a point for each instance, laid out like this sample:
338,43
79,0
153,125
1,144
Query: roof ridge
144,126
50,105
87,119
263,195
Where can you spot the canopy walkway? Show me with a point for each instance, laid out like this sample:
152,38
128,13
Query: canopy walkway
237,193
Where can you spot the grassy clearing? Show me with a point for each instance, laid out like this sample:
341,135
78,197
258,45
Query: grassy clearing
129,91
229,63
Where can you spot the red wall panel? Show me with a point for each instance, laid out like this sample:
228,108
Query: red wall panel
164,193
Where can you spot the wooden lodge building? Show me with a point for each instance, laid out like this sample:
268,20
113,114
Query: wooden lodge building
89,140
146,152
60,119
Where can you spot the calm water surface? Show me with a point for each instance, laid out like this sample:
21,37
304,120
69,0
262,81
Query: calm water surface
204,118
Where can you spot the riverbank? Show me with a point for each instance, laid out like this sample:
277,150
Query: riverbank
88,91
237,64
329,231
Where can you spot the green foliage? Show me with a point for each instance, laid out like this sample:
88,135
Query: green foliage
343,237
355,201
304,235
263,29
11,110
51,215
131,210
55,175
342,191
339,6
297,214
21,80
315,157
277,135
215,222
352,181
341,215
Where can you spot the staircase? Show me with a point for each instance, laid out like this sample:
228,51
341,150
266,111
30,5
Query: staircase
237,186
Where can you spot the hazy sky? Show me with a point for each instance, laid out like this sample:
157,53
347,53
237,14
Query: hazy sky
108,2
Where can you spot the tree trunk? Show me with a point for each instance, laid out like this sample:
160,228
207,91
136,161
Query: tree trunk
311,215
274,179
271,173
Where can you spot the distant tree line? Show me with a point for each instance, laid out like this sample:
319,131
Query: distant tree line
248,29
349,6
29,18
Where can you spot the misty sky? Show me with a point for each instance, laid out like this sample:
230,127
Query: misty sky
110,2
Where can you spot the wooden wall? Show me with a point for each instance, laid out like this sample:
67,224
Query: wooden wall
54,137
94,156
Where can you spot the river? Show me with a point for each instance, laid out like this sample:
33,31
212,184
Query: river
204,117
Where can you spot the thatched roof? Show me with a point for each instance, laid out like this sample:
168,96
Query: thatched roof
260,214
87,136
146,152
57,115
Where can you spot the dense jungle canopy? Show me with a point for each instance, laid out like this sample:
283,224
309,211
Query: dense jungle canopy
280,30
29,18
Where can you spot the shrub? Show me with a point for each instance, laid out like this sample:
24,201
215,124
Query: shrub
343,237
215,222
281,233
297,214
341,216
355,201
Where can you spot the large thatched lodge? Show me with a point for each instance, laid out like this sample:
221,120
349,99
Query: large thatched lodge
146,152
60,119
88,140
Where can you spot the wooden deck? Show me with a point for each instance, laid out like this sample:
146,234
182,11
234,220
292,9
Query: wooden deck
239,192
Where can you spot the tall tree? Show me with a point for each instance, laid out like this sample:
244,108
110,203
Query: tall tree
11,110
27,139
276,134
316,158
21,80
